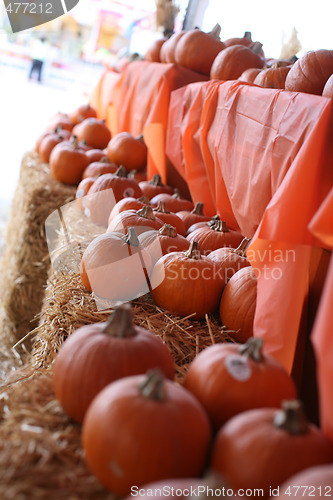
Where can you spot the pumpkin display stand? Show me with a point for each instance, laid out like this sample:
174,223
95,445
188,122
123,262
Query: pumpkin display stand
25,262
40,447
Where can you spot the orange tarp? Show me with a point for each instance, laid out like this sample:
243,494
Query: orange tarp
262,159
102,94
140,105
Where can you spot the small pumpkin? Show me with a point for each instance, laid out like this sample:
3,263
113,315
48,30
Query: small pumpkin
186,283
154,186
173,202
272,78
167,53
61,120
163,241
101,270
142,220
238,304
262,448
249,75
190,217
128,203
153,52
198,225
328,89
215,234
168,430
82,113
169,218
67,162
197,50
310,73
246,40
316,481
82,191
230,63
94,132
106,191
229,378
127,150
97,354
49,141
230,260
95,154
100,167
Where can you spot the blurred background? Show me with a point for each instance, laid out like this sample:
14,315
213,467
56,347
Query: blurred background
99,34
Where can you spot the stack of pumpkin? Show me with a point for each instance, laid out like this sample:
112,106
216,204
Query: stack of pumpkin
240,58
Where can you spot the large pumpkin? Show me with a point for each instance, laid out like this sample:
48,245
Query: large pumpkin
214,234
186,283
232,61
260,449
115,267
328,89
97,354
238,303
197,50
145,428
272,78
228,379
127,150
310,73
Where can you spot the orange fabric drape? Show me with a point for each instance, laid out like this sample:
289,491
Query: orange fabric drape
102,95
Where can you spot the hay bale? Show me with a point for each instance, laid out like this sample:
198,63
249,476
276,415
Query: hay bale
25,263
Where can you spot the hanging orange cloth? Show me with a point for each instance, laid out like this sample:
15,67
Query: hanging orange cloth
102,94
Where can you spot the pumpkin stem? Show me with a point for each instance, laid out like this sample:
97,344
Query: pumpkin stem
176,193
248,35
153,386
74,142
121,172
215,32
161,208
241,249
120,323
252,349
255,47
131,238
146,212
291,417
104,159
193,252
168,230
218,225
156,180
139,138
144,199
198,209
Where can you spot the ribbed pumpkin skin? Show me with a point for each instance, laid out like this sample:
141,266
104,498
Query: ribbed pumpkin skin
209,239
131,440
249,75
128,203
97,168
232,61
173,204
238,304
153,52
228,261
328,89
197,50
158,244
312,481
90,359
167,54
272,78
223,395
130,218
249,452
126,150
310,73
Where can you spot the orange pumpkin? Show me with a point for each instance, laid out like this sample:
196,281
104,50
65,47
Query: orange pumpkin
67,162
198,225
167,53
197,50
229,378
214,234
163,241
328,89
232,61
168,217
261,448
82,191
168,431
95,154
101,270
173,202
310,73
272,78
129,151
100,167
97,354
249,75
230,260
106,191
186,283
238,304
154,186
316,481
141,220
82,113
94,132
128,203
61,120
49,141
153,52
190,217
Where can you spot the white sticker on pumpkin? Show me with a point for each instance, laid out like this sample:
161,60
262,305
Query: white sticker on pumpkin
238,367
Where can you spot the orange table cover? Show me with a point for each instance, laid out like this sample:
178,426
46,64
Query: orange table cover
262,159
102,94
140,104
